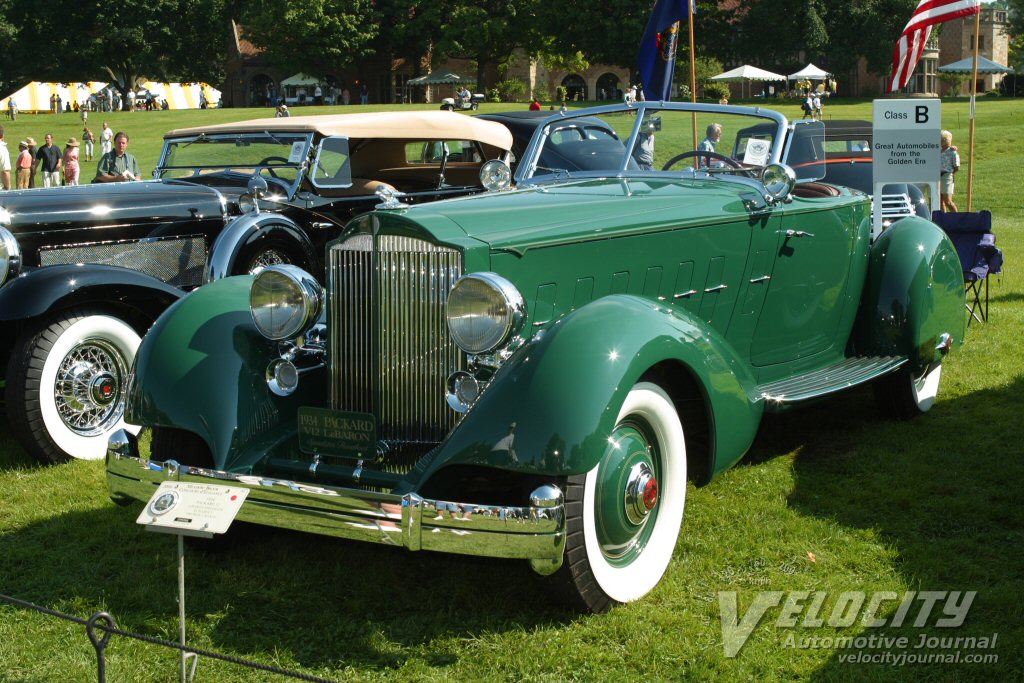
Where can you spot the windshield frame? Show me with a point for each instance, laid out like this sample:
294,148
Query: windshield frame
527,170
300,166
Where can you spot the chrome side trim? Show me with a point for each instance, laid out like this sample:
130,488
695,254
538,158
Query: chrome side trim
534,532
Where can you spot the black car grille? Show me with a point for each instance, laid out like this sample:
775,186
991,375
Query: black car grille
390,351
178,261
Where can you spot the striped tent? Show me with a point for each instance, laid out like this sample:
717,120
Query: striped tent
35,97
182,96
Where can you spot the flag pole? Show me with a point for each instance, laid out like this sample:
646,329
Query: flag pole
974,94
693,76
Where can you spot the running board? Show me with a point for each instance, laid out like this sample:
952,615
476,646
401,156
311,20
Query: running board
827,380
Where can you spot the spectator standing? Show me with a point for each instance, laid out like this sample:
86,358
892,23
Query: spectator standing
85,115
32,152
808,107
24,165
117,165
345,96
318,95
535,105
88,142
202,98
364,95
131,100
49,157
817,107
12,109
949,164
60,104
5,162
106,139
70,162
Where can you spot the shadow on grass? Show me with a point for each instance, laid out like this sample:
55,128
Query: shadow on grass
12,455
942,490
323,602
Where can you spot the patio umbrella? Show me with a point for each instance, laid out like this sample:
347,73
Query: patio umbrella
747,73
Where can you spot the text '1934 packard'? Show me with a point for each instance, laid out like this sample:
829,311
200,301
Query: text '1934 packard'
535,372
84,271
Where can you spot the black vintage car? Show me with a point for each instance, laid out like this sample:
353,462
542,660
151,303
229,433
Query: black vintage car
84,271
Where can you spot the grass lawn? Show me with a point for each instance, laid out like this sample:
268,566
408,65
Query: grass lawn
830,499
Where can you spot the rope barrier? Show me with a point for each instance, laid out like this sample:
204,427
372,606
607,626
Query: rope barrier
102,621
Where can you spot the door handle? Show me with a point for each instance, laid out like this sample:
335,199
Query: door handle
798,233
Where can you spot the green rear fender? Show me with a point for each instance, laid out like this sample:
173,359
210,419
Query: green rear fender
552,406
202,368
913,295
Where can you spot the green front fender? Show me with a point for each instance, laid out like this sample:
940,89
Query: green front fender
913,295
551,407
202,369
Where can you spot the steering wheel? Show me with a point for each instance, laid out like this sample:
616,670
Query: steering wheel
265,160
728,161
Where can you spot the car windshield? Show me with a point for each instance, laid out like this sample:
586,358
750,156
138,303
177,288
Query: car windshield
273,155
671,138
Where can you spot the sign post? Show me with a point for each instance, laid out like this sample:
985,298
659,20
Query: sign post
190,509
905,148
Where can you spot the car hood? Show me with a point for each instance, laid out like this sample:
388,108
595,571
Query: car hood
586,210
107,204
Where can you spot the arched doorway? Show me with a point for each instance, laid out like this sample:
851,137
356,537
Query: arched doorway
608,87
261,91
575,87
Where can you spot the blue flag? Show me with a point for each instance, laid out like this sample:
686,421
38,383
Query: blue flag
656,61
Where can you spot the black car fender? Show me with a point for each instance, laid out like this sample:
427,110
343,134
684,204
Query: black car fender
140,298
244,236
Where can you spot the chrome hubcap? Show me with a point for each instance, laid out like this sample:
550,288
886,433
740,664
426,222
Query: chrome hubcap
641,493
88,390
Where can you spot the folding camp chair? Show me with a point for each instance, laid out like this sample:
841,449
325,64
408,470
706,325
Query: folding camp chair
971,234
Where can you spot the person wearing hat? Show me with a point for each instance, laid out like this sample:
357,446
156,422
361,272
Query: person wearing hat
32,150
24,165
71,168
282,111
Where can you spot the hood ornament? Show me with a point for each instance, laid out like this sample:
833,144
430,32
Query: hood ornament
389,198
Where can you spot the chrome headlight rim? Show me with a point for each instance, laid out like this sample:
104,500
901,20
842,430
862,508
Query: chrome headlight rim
512,319
271,290
247,203
778,180
495,175
10,255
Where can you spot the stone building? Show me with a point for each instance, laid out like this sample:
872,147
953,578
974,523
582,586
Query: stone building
956,42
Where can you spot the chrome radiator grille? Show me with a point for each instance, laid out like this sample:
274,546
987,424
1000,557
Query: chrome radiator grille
390,351
178,261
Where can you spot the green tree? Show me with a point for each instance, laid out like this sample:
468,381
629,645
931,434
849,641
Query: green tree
127,40
312,36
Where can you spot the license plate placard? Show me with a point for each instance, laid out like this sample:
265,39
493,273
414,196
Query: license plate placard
336,432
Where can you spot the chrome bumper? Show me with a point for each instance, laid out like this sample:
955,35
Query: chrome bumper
535,532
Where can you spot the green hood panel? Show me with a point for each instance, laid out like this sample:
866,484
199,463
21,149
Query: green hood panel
584,210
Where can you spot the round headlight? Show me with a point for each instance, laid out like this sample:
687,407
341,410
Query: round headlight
484,311
285,301
10,256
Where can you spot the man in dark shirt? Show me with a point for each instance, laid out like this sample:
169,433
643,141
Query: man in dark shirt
117,164
49,156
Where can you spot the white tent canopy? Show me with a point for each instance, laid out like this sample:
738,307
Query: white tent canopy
748,73
809,72
300,79
966,66
182,96
36,95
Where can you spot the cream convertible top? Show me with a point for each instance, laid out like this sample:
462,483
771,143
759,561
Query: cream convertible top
420,125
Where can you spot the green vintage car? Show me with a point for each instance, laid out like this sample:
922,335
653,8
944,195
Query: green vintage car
535,372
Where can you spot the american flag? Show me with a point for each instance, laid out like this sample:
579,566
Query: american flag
911,43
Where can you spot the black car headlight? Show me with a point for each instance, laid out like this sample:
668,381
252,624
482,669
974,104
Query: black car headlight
285,301
484,311
10,256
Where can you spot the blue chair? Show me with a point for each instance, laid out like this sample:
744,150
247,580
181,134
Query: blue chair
971,234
